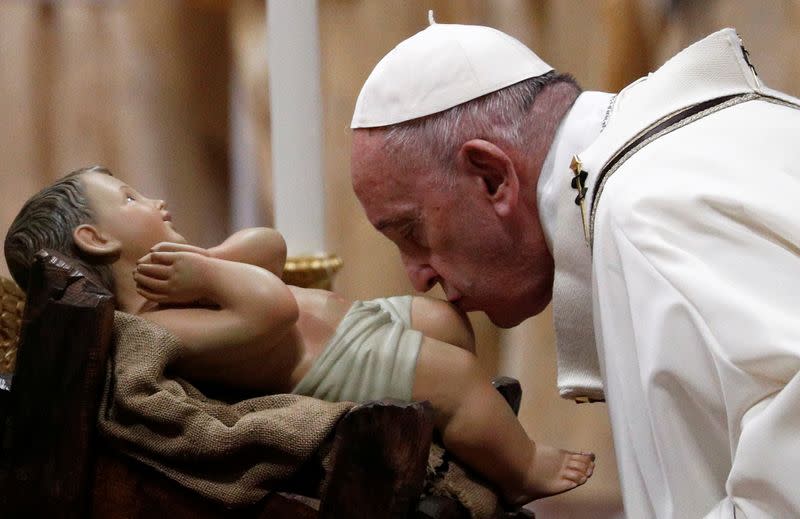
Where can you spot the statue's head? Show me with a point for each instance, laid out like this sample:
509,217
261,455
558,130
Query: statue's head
94,218
47,221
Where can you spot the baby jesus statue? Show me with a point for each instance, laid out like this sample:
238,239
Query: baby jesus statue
241,326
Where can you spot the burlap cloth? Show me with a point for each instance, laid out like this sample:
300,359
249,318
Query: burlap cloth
233,453
445,477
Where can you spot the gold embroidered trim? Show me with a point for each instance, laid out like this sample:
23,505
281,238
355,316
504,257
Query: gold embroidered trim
604,176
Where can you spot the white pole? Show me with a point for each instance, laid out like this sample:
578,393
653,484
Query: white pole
245,183
296,116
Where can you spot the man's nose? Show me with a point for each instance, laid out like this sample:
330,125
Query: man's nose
161,205
422,276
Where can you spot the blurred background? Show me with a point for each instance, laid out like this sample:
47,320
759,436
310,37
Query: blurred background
173,97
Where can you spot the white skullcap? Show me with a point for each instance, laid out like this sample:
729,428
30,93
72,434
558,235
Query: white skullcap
441,67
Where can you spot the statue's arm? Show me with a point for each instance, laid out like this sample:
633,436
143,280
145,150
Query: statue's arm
259,246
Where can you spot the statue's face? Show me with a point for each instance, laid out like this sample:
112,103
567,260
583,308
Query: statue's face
452,236
126,215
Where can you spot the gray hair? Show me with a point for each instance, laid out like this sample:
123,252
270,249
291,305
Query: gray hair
46,221
498,117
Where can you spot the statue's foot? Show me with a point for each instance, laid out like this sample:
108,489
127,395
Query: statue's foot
554,471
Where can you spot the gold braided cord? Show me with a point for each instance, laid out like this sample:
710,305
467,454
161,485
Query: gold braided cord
12,303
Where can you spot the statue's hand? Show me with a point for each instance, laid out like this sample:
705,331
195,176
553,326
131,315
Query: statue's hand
168,246
172,277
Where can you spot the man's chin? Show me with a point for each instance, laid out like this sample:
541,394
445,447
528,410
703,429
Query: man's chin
504,321
510,317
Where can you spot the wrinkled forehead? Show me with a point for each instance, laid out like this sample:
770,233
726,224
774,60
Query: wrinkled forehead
376,168
384,183
367,154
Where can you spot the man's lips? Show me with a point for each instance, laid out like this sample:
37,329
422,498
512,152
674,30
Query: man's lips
462,305
167,217
456,300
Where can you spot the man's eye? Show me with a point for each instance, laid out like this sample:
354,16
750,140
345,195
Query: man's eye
130,198
413,236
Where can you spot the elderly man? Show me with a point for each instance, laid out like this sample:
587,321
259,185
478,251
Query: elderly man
660,221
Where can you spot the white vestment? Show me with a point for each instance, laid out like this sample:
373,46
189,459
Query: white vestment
695,284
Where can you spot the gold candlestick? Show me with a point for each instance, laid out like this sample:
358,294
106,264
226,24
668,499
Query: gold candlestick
315,271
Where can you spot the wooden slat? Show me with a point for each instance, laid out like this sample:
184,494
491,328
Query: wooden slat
126,489
379,458
61,367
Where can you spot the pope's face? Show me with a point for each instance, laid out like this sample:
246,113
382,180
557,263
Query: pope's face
448,234
126,215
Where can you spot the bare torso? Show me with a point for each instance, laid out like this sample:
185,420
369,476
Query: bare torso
278,367
321,312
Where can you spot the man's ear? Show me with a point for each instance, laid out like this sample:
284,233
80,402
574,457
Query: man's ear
90,240
494,172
